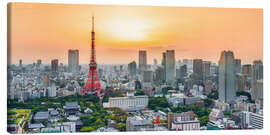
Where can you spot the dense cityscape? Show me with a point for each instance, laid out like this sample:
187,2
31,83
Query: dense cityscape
169,95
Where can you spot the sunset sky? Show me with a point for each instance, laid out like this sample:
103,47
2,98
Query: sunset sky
47,31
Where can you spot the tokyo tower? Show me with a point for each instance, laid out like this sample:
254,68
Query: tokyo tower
92,85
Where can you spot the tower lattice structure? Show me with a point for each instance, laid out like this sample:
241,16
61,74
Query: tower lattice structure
92,85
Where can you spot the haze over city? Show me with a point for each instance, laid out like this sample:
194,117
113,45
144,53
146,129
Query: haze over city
148,69
47,31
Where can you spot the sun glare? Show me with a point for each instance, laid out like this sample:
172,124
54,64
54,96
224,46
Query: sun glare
134,30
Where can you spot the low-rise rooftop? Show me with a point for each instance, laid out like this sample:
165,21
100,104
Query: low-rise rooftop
41,115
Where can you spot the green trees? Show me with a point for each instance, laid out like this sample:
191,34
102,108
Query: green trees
139,93
63,120
244,93
227,114
196,109
203,120
213,95
95,120
156,103
111,93
119,115
165,90
44,103
121,126
87,129
100,117
80,81
87,120
208,102
233,111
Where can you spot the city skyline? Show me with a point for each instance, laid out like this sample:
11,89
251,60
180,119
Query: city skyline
238,30
149,69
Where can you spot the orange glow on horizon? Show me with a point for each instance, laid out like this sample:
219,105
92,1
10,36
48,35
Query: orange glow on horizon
47,31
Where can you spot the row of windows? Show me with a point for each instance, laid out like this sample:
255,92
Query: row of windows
128,102
189,126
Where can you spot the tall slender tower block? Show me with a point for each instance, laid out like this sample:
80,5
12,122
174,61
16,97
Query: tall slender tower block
226,77
92,85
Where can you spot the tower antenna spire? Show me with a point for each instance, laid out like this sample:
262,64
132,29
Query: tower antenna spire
93,23
92,85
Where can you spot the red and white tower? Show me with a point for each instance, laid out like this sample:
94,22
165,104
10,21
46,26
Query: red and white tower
92,85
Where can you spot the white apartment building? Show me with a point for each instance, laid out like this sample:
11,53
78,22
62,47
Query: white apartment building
129,103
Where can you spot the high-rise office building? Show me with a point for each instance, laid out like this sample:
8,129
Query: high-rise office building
227,77
181,72
237,64
132,67
155,62
163,59
52,90
147,76
258,93
198,70
247,70
177,73
61,67
121,68
159,75
39,62
163,63
142,61
170,66
257,71
73,61
257,74
20,62
54,65
45,80
213,69
240,82
100,72
206,70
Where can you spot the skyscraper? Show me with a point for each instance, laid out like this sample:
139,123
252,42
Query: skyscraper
206,70
159,76
73,61
237,63
132,67
121,68
181,72
155,62
257,74
39,62
52,90
163,59
147,76
54,65
45,80
170,66
198,70
20,62
142,61
163,63
247,70
227,77
213,69
240,82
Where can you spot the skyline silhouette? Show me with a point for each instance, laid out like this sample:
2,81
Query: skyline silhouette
48,31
